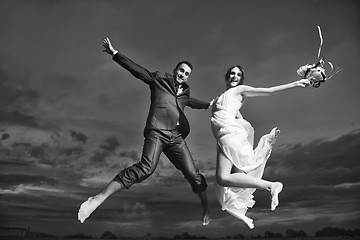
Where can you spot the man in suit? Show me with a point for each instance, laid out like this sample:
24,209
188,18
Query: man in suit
165,131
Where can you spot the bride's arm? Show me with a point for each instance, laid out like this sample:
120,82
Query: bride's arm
248,91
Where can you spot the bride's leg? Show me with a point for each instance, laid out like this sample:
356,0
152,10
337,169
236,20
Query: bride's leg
238,179
225,178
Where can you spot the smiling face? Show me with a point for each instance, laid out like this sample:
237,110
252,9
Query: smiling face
234,77
182,73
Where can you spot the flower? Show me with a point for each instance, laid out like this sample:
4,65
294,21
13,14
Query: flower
303,69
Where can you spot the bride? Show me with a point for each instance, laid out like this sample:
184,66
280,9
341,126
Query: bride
239,167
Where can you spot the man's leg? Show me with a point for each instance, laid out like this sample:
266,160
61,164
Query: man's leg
87,207
204,202
128,176
179,154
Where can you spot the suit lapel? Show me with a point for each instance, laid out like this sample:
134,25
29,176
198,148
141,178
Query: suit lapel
172,83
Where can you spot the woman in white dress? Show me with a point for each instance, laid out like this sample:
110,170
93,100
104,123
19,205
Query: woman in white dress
239,167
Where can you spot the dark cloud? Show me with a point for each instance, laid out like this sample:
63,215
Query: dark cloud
134,155
57,150
17,101
5,136
106,148
99,156
36,151
16,96
322,174
110,144
72,151
5,163
78,136
13,180
319,156
320,189
18,118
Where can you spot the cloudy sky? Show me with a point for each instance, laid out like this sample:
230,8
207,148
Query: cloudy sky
71,118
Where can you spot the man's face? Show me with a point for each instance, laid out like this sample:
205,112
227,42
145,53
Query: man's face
182,72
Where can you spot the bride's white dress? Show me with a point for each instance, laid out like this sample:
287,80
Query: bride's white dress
235,138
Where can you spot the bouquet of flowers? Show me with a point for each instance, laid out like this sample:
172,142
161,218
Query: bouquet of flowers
316,72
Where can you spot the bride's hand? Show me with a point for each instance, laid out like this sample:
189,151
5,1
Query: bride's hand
303,82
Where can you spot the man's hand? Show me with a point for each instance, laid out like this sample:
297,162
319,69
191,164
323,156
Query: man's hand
211,103
108,47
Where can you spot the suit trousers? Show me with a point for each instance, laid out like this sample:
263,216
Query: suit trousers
175,148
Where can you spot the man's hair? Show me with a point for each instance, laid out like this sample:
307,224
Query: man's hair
185,62
227,74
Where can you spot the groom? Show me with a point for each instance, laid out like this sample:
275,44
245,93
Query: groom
165,131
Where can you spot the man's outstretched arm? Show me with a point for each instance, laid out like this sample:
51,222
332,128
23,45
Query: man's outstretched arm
198,104
135,69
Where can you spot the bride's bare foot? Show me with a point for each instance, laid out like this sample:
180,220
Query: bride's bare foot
275,133
272,136
87,207
206,218
274,192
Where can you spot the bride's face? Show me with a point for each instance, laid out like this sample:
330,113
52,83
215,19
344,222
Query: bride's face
234,78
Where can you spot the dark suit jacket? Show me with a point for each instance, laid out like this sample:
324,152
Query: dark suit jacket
166,109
